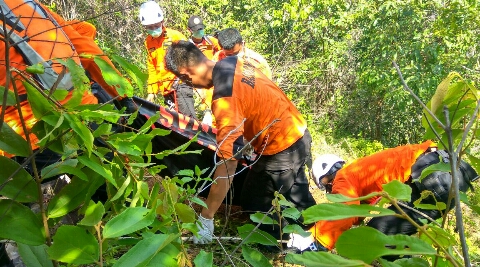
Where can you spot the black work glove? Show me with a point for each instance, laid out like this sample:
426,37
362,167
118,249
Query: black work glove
128,103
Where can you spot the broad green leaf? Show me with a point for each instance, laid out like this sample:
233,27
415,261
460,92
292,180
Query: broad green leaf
204,259
250,236
441,92
82,131
292,213
80,81
408,262
103,129
40,105
36,69
295,228
129,221
93,214
113,78
474,162
68,166
321,259
339,198
254,257
34,256
13,143
10,97
262,218
398,190
73,194
21,187
144,252
199,202
439,235
20,224
75,245
94,164
121,190
443,167
185,213
132,70
285,203
188,173
337,211
58,117
367,244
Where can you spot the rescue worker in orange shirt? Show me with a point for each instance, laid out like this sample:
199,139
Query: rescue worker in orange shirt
367,175
177,95
40,26
209,46
232,44
279,134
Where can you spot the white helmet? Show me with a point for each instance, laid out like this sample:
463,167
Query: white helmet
150,13
322,165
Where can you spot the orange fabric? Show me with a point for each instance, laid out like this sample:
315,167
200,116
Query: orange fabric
254,58
364,176
84,28
160,80
45,38
249,93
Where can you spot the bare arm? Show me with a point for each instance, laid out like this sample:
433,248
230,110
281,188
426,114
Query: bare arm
219,190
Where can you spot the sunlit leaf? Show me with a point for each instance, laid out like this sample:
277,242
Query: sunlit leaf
185,213
249,236
339,198
367,244
262,218
321,259
75,245
132,70
129,221
93,214
254,257
337,211
398,190
113,78
20,224
204,259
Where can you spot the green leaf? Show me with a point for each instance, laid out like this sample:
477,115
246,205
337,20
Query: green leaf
36,69
185,213
199,202
94,164
367,244
58,117
204,259
80,81
13,143
257,236
10,97
398,190
93,214
113,78
155,250
337,211
21,187
122,189
439,235
443,167
73,194
296,229
188,173
339,198
20,224
321,259
292,213
40,105
255,258
82,131
132,70
129,221
74,245
68,166
34,256
262,218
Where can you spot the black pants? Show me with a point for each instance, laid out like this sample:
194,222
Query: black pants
181,100
283,172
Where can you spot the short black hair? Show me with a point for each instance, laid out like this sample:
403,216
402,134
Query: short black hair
229,37
182,54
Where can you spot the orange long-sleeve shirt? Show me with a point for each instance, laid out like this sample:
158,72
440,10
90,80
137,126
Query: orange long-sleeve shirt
160,80
364,176
239,97
47,39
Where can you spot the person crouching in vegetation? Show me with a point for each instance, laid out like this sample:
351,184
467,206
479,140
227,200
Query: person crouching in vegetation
367,175
248,104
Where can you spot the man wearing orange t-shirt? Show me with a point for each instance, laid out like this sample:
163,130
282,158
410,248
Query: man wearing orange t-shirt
278,134
367,175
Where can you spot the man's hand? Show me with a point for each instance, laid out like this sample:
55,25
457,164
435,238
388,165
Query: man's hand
151,97
206,231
